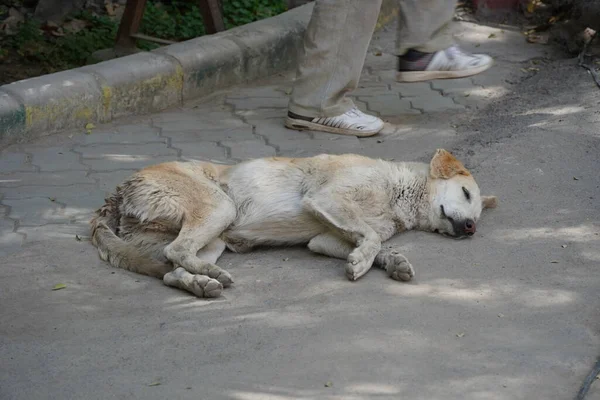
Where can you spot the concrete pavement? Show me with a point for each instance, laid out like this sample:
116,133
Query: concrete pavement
511,314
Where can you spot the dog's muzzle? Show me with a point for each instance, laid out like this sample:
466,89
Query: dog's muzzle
464,228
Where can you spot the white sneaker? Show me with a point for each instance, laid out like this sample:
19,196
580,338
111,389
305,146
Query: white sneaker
444,64
353,122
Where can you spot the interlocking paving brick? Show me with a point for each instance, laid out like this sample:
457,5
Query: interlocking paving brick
210,135
55,232
414,89
203,151
107,157
196,120
129,163
50,192
14,162
253,103
453,86
126,134
55,159
434,102
10,242
247,149
80,206
108,181
59,178
261,91
376,89
36,211
389,104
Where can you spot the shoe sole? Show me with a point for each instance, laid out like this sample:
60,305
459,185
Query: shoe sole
300,125
419,76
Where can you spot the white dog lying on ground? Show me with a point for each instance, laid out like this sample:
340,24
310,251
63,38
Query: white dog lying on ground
174,220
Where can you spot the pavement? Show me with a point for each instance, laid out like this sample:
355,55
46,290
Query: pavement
513,313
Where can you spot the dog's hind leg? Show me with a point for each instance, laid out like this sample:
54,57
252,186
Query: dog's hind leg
394,263
198,246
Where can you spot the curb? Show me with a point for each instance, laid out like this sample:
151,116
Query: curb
149,82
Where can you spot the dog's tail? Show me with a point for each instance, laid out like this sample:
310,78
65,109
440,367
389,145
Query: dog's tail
116,251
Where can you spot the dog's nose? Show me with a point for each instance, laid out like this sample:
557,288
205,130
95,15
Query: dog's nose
470,227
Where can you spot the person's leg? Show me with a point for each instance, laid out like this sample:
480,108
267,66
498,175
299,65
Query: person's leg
425,46
335,47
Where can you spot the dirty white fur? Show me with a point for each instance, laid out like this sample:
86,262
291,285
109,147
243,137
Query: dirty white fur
184,214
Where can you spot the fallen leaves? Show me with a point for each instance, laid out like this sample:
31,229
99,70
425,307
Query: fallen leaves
89,127
328,384
459,335
11,24
59,286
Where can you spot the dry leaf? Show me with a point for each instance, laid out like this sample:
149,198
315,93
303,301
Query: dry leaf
553,262
491,36
531,6
59,286
75,25
88,127
78,238
154,384
328,384
377,53
52,198
459,335
564,246
575,178
500,315
110,8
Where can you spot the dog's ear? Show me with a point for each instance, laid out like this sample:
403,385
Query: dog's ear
489,201
444,165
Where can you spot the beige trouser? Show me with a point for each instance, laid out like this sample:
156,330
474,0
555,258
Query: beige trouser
336,43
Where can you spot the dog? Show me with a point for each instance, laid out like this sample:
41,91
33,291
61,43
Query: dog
174,220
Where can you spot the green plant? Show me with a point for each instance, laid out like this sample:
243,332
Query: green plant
240,12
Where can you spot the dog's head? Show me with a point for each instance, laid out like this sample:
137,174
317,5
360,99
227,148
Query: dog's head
455,198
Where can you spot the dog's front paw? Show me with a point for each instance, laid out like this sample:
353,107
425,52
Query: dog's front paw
357,266
396,265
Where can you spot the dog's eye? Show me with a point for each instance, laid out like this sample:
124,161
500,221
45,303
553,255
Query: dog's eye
467,194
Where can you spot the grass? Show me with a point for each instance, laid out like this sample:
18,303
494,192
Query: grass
37,49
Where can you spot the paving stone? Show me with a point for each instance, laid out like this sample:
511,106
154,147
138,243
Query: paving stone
36,211
434,102
55,159
414,89
203,151
276,134
247,149
126,134
383,61
63,178
210,135
376,89
108,181
453,86
196,120
389,104
130,163
55,192
14,162
106,157
261,91
261,114
54,232
80,206
252,103
322,143
10,242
